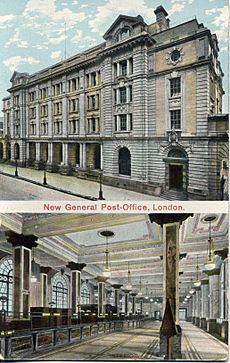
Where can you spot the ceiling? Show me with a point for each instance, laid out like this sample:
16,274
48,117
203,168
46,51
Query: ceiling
74,237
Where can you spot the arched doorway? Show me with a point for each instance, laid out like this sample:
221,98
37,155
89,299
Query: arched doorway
176,171
124,161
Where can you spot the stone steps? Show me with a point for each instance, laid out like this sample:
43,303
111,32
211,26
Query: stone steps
173,195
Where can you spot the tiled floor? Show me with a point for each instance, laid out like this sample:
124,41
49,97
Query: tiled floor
142,344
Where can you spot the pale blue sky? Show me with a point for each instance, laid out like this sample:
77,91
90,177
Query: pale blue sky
33,31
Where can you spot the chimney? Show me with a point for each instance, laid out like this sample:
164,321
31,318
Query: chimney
161,20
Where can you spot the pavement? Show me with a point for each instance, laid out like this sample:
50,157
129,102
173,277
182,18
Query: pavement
58,187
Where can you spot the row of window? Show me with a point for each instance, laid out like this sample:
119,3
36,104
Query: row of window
122,123
92,104
121,95
93,126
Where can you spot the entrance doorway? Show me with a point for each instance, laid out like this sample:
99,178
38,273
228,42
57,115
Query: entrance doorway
176,177
124,161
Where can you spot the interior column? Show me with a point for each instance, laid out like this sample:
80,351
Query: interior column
101,296
170,334
44,285
75,299
22,246
117,297
204,304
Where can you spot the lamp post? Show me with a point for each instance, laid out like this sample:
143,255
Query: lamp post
44,175
100,197
16,156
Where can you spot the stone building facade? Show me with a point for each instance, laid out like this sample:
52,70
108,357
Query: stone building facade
144,107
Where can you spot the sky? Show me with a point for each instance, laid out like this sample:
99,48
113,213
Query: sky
35,34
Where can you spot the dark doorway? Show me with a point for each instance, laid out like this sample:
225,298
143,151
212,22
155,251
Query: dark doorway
157,315
124,161
97,157
1,150
176,177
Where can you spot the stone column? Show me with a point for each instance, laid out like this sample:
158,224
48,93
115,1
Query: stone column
126,292
50,152
141,306
84,164
189,314
198,306
170,346
128,68
22,246
214,300
117,95
193,307
133,295
44,285
204,304
117,297
76,287
118,69
80,155
101,296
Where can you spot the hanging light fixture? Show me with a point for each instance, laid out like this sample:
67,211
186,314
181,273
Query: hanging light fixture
211,260
146,295
197,283
106,271
191,291
140,286
129,285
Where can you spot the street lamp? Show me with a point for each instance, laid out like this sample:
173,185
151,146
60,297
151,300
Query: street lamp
44,175
100,197
16,157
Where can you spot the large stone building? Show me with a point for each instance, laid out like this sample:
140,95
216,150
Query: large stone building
145,107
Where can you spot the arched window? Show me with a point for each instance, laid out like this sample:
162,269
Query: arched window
60,291
177,153
85,294
124,161
6,284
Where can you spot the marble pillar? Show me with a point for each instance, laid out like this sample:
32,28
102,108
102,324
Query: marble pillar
214,300
22,245
204,314
101,296
76,269
117,298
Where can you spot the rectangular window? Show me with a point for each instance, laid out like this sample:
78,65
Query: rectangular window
123,68
122,95
123,123
175,86
175,118
93,79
